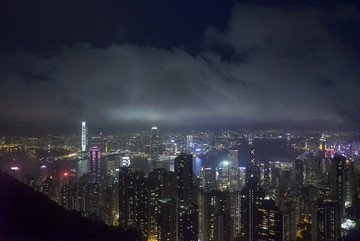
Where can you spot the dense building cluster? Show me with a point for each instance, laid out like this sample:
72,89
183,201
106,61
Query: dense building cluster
308,198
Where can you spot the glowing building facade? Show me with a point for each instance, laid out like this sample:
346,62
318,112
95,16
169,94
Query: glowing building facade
234,177
155,161
84,141
95,165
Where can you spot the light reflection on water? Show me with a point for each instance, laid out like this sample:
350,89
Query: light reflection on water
265,149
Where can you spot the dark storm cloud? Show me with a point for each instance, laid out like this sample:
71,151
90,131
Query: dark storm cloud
270,64
300,57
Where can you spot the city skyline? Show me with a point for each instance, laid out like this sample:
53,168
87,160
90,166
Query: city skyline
136,64
231,185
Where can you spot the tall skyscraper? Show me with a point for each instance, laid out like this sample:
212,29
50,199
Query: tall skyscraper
234,177
187,209
155,161
189,144
95,165
184,177
207,179
252,169
224,174
84,140
298,173
251,195
338,181
322,145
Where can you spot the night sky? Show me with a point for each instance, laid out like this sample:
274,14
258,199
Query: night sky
136,63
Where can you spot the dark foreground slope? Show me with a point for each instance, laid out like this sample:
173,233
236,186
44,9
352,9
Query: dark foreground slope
29,215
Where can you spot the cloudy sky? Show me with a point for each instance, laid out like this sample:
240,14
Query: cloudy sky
126,64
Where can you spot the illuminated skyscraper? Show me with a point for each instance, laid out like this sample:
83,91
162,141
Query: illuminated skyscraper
224,174
322,145
83,165
125,161
95,165
155,161
252,155
84,140
189,144
234,170
252,169
208,179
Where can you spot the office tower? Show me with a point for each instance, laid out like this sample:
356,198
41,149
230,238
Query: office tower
187,209
224,175
111,168
297,173
312,170
133,205
326,221
251,195
234,177
84,140
207,179
125,161
95,165
242,176
252,155
252,169
83,165
322,145
350,186
189,144
268,221
155,149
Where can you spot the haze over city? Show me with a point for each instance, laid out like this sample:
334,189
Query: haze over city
136,64
169,120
